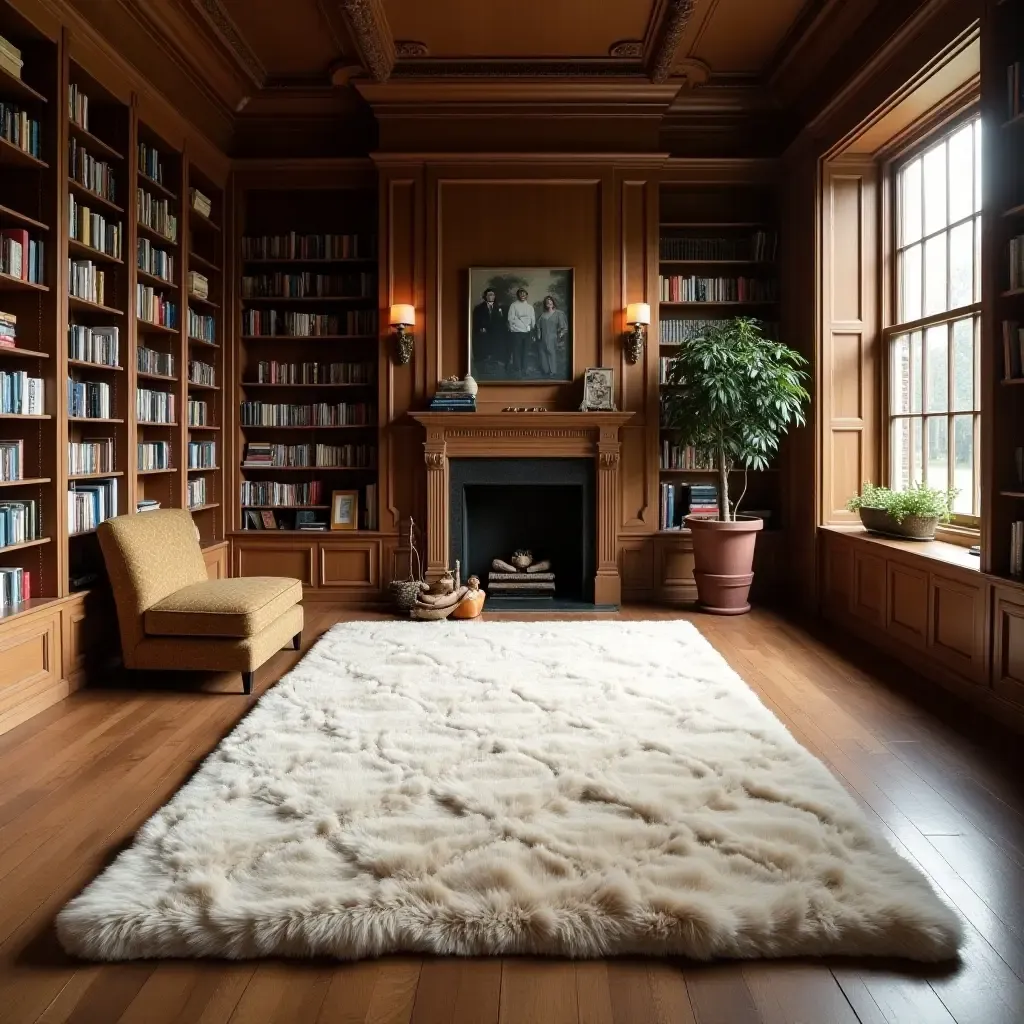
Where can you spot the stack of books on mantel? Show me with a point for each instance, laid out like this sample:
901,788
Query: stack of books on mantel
452,395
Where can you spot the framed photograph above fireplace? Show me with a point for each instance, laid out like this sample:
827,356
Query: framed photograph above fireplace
521,324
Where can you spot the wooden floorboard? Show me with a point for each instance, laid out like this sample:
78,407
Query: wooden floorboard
78,780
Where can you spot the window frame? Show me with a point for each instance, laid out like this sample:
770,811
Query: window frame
963,528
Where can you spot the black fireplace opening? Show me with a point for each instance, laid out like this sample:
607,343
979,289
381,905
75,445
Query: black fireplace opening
545,506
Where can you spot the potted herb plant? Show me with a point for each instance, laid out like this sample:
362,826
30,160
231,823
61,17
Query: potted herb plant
912,514
734,393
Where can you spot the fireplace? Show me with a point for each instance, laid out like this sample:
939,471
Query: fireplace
497,506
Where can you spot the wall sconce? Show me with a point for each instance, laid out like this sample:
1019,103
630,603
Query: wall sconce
403,316
638,316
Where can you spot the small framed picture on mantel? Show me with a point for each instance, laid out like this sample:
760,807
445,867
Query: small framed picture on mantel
598,390
521,324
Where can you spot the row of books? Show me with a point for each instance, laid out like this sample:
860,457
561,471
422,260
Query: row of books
90,504
679,288
155,261
1013,350
96,175
150,163
92,455
8,330
154,307
1017,262
154,406
679,500
19,522
12,460
198,413
21,130
22,256
303,520
270,492
156,214
20,394
321,414
149,360
758,247
78,106
15,587
89,399
202,454
273,372
154,455
202,326
146,505
262,454
87,281
295,246
93,229
297,286
272,323
202,373
100,345
195,492
676,456
664,362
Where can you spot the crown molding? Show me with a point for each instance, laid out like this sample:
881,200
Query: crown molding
675,14
213,13
531,159
368,27
487,69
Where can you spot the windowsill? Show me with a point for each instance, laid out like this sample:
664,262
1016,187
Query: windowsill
936,550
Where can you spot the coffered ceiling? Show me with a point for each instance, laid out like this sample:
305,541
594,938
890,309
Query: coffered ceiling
310,65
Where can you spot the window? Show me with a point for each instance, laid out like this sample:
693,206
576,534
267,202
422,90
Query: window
934,344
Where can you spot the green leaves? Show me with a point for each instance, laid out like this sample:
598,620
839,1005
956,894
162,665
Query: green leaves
735,394
916,500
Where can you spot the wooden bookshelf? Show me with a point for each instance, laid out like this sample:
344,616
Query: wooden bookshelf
349,338
694,243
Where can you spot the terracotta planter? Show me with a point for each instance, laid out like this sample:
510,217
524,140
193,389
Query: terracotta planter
723,556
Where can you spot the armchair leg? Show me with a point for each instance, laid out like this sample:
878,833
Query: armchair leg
297,641
248,678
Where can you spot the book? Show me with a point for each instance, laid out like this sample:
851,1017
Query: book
198,285
9,49
14,252
200,203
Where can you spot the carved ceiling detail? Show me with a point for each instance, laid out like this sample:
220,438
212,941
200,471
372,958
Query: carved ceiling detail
663,53
631,48
368,25
693,72
408,48
245,57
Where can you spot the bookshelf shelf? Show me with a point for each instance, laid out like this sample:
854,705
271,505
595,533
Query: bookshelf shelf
203,508
1014,121
23,353
145,325
95,476
203,426
319,261
1014,211
95,366
13,156
28,481
10,216
717,263
23,416
94,142
203,469
81,249
284,507
1011,293
39,542
209,303
288,299
81,533
153,423
309,337
87,305
94,198
308,469
347,426
203,223
1012,494
151,279
9,283
156,472
704,305
15,86
192,384
145,229
261,384
143,375
94,419
152,185
197,260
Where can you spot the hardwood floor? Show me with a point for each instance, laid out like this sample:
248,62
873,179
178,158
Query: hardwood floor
78,780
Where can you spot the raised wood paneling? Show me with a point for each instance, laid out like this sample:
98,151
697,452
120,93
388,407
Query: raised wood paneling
217,564
869,588
1008,648
353,565
296,559
907,606
837,573
30,667
957,625
637,469
674,569
636,567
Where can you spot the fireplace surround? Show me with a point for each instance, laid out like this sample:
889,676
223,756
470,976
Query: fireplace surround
560,436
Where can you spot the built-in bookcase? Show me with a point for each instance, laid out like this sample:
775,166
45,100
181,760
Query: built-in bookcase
30,211
307,374
1003,284
718,251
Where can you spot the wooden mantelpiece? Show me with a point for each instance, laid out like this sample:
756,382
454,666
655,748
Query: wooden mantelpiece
511,435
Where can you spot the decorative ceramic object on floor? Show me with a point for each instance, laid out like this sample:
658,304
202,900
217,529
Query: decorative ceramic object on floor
444,585
472,604
432,607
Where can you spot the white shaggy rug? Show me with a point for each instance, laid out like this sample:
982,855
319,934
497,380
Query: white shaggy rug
576,788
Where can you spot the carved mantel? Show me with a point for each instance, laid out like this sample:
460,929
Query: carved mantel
526,435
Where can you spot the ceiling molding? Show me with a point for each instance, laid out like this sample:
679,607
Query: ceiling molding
368,26
409,48
485,68
628,48
813,16
674,18
227,32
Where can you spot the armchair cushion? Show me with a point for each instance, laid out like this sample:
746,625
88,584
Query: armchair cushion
238,607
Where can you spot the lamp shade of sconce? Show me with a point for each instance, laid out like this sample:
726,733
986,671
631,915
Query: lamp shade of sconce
638,316
402,317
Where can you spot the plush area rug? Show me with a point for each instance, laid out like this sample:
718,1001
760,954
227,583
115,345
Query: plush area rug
575,788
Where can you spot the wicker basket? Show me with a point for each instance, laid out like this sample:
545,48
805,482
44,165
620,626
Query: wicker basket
405,592
877,520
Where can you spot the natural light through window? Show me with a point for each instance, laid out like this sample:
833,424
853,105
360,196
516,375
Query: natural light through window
934,346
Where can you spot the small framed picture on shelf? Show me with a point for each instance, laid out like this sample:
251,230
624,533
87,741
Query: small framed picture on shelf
269,520
598,390
344,510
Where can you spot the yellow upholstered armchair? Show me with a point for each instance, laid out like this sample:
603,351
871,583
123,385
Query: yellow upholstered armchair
172,616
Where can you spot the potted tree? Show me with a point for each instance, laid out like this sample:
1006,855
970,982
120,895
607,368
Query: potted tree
734,393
